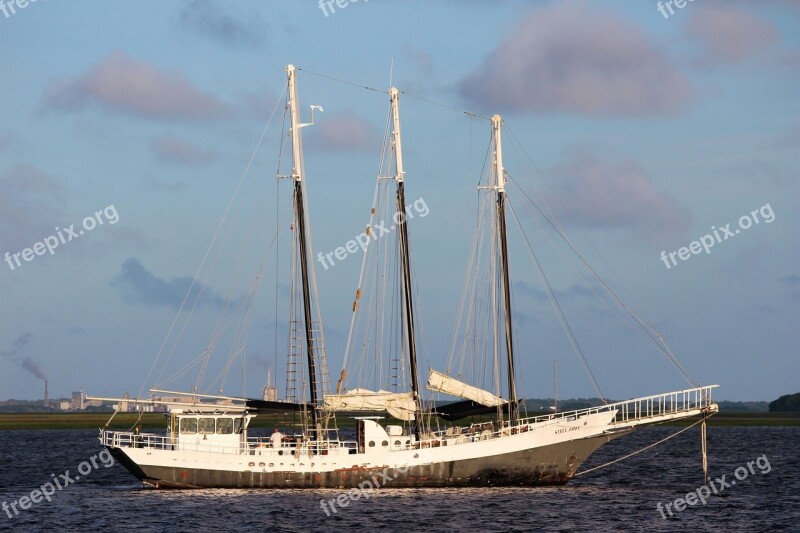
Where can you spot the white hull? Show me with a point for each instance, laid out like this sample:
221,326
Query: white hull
542,450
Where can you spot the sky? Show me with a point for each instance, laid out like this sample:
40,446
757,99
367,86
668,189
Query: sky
133,122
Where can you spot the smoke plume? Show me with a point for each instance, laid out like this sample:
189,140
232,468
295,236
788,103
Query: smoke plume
28,364
31,366
19,344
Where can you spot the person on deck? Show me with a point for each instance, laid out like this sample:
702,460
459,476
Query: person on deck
276,438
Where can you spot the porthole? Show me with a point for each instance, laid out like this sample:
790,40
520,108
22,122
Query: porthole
397,443
372,444
385,443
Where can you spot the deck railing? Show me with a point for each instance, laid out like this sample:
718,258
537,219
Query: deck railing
124,439
682,402
633,412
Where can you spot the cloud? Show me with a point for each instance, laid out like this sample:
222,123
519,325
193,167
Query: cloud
178,152
29,206
574,292
726,34
260,104
142,286
209,19
618,195
571,58
421,59
344,131
121,83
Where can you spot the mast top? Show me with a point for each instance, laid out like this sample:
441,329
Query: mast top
394,96
498,154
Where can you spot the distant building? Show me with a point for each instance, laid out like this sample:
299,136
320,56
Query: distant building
270,394
77,404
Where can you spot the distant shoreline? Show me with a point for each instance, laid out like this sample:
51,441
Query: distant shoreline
123,421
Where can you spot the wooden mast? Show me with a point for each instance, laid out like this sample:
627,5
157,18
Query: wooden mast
500,186
404,257
297,175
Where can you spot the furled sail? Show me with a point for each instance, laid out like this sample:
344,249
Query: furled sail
439,382
398,404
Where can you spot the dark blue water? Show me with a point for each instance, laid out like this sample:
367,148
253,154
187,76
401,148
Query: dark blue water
622,497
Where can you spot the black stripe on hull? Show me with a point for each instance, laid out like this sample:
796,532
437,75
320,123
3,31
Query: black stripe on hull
548,465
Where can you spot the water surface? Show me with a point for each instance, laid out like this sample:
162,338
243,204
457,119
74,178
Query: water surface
621,497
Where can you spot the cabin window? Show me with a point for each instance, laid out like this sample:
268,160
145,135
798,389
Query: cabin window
225,426
372,444
206,426
188,425
237,425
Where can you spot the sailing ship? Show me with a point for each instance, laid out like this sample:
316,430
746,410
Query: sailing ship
427,444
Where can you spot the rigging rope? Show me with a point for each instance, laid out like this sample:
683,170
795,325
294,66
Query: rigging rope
372,217
557,307
208,251
656,337
640,451
368,88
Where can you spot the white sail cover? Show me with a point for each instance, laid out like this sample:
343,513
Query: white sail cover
398,404
439,382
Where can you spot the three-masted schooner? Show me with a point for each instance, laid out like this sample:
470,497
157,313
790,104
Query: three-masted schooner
207,444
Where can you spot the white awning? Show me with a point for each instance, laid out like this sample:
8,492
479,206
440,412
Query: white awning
439,382
398,404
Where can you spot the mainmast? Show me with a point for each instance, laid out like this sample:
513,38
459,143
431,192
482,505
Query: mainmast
298,174
500,186
404,256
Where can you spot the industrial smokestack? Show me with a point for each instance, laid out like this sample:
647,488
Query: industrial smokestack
46,398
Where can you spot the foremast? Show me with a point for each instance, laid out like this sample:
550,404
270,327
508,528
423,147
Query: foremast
405,260
500,188
298,174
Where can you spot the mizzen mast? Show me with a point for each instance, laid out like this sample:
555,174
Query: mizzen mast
408,307
500,187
